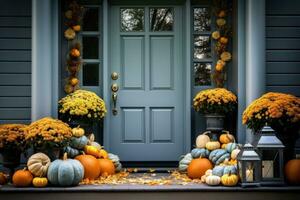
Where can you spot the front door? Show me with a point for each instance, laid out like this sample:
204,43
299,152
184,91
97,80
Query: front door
146,52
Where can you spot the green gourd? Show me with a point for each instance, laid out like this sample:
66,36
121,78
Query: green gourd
116,160
79,143
184,162
66,172
200,152
231,146
230,169
71,152
218,156
218,170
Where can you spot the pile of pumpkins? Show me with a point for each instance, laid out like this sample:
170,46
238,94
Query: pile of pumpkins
83,159
213,160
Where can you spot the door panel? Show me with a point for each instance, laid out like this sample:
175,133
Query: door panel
149,123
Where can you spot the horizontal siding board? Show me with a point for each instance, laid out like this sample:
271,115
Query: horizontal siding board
15,8
294,90
14,55
15,121
283,67
283,79
279,7
283,55
19,32
15,79
15,22
15,67
16,102
283,21
282,43
15,113
283,32
12,44
15,91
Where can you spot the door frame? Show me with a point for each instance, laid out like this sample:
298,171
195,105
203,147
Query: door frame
186,8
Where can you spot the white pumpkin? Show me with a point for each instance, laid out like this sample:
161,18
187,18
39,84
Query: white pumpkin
208,172
38,164
234,154
212,180
201,140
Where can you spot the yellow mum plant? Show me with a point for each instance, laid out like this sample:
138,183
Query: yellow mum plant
82,105
217,100
12,136
274,109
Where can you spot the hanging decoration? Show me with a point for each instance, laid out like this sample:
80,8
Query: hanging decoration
222,36
73,20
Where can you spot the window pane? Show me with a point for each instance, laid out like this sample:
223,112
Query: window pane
132,19
202,72
202,48
161,19
202,19
90,75
91,19
90,47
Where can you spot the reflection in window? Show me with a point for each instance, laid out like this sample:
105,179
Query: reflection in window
202,73
91,19
202,47
202,19
161,19
90,75
90,47
132,19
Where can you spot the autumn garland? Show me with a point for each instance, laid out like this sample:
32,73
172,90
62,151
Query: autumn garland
222,36
74,15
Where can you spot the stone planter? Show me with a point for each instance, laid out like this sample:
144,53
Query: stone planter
214,122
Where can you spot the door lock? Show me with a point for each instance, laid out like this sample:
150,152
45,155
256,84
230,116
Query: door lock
114,87
114,76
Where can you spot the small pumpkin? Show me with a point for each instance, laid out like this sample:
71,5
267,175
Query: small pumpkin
197,153
91,150
65,172
103,154
223,146
201,140
229,179
91,166
208,172
234,153
77,132
116,160
231,146
218,156
226,138
230,169
75,53
292,171
107,167
212,180
203,178
213,145
198,167
93,143
22,178
38,164
3,178
40,182
218,170
79,143
184,162
71,152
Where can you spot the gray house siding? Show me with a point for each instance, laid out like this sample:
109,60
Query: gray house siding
283,46
15,61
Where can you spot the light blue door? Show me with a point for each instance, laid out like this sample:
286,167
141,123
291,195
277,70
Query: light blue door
146,52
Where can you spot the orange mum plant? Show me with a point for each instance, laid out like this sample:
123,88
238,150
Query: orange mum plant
275,109
12,136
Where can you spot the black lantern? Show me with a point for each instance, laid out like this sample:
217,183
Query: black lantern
249,166
270,149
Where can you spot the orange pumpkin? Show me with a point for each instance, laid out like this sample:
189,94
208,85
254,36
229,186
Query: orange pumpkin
3,178
107,167
90,164
198,167
292,171
75,52
22,178
226,138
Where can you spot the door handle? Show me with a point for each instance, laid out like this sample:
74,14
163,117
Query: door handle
114,99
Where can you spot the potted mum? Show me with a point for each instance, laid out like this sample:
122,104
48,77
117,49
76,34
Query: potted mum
281,112
214,104
81,108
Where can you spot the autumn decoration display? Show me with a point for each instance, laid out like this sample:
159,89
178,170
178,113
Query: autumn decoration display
12,136
73,20
222,35
22,178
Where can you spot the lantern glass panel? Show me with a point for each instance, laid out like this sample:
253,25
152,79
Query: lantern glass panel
250,172
240,164
270,164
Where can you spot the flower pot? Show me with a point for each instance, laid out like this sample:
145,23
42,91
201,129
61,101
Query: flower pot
214,122
11,159
87,126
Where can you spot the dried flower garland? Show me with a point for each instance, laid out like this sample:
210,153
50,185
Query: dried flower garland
222,36
73,15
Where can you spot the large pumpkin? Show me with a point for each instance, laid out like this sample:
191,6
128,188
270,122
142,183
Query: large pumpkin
107,167
65,172
22,178
91,166
38,164
198,167
292,171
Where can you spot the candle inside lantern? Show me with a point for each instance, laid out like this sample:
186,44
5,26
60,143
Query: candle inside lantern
249,175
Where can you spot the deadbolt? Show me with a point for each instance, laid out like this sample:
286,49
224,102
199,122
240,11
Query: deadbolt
114,87
114,76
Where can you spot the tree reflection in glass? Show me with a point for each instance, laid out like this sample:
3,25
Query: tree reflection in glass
202,47
161,19
202,74
202,19
132,19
